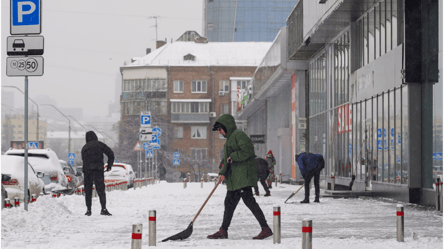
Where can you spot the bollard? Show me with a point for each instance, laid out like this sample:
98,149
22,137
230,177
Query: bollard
276,225
437,194
94,193
34,198
280,178
59,194
7,203
201,182
275,181
152,228
16,202
184,182
307,233
332,182
215,181
400,223
54,194
83,191
136,238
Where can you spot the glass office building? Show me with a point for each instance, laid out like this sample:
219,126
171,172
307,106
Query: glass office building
246,20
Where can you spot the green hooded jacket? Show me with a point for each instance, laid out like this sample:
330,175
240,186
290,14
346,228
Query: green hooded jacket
242,172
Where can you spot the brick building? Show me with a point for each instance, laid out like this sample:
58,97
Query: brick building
191,84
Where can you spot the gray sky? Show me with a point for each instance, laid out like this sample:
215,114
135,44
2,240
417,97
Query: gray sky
87,41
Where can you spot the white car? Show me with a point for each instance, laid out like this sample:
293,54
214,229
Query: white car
47,162
120,171
13,166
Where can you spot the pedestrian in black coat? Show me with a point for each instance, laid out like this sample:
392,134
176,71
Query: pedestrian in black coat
92,156
262,174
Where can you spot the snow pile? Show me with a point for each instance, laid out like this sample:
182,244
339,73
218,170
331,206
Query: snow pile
337,223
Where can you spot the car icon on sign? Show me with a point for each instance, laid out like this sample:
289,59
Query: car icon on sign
18,43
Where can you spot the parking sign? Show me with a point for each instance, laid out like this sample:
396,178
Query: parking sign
26,17
145,120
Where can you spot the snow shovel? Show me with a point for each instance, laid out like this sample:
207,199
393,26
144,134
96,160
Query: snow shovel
187,232
293,194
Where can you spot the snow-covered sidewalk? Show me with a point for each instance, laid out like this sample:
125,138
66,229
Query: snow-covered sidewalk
337,223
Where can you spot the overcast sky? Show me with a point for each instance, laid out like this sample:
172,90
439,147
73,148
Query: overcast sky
87,41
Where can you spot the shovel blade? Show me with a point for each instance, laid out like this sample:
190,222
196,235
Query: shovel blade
182,235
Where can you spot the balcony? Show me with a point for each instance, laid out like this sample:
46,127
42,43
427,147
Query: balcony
190,118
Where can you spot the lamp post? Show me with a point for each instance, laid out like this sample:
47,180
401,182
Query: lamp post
37,136
69,123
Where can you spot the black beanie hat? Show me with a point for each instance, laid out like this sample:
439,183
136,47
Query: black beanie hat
219,125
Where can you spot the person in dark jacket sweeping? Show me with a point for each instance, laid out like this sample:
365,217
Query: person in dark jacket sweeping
92,156
262,174
310,166
240,174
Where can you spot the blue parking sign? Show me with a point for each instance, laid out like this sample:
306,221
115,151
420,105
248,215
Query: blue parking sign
145,119
26,17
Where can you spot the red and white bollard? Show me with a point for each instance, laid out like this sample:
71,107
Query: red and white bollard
332,182
275,181
215,181
280,178
59,194
16,202
201,182
152,228
136,238
400,223
307,233
184,183
34,198
276,225
7,203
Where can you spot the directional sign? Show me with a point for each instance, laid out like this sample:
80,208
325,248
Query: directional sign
145,120
146,146
149,154
24,45
71,156
33,145
158,130
155,139
24,66
26,17
176,161
176,154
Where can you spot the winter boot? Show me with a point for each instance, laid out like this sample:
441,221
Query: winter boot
105,212
221,234
265,233
305,201
267,194
88,212
316,199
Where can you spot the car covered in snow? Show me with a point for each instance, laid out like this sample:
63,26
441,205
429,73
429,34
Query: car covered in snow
13,178
79,173
71,177
120,171
47,162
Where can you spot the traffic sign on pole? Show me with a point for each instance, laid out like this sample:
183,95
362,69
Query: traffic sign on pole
26,17
158,130
146,146
24,66
149,154
25,45
176,161
176,154
145,120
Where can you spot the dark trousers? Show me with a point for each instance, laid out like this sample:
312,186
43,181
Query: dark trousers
96,177
232,199
314,173
262,181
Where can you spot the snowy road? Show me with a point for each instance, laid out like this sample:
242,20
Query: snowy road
337,223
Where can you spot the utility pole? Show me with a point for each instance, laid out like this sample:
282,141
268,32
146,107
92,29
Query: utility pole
155,17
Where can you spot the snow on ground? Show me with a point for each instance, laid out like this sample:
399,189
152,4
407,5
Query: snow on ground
337,223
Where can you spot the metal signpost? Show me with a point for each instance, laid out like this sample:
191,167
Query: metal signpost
25,19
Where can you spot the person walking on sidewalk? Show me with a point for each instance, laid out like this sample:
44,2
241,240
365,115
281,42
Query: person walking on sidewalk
271,162
240,174
92,157
310,166
262,173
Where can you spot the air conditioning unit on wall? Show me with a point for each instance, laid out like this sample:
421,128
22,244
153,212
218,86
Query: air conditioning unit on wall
212,114
221,93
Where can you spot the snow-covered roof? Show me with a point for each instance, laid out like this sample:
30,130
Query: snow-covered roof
206,54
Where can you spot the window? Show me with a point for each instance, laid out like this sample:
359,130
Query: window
190,107
198,86
198,154
178,132
242,84
224,86
198,132
178,86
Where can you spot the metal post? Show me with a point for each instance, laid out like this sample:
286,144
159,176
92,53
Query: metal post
136,238
184,182
201,182
400,223
26,145
276,225
280,177
307,233
152,228
440,198
437,194
275,181
332,182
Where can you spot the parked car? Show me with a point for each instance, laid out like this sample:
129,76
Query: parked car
47,162
12,166
79,173
121,171
71,177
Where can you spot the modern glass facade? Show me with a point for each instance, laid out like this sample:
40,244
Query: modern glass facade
246,20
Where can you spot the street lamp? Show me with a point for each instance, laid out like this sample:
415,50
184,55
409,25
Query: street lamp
69,123
37,137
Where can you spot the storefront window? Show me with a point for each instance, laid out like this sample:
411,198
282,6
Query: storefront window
397,135
380,138
375,139
404,136
391,136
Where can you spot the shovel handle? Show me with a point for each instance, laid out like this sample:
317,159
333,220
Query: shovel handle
195,217
295,192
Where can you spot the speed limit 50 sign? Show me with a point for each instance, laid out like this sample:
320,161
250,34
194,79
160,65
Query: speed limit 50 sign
24,66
